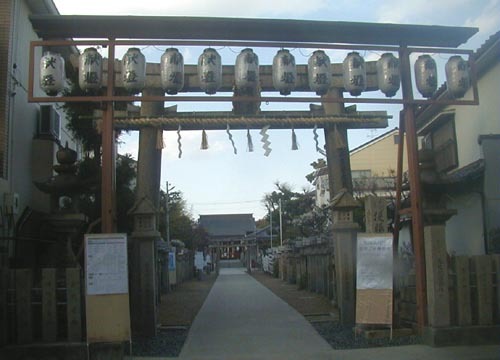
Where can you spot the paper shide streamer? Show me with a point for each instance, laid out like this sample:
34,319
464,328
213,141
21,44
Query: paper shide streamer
265,141
204,140
249,141
295,145
179,145
318,149
228,130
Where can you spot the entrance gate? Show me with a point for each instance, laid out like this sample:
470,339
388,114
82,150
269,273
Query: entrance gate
110,32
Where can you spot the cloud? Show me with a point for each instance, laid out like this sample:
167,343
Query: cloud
443,12
257,8
488,21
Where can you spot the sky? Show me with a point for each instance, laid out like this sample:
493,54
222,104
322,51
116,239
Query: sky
216,181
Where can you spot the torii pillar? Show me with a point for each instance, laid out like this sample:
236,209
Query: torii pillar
144,309
344,238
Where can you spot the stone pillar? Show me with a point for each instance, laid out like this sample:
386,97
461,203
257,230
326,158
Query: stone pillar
345,232
436,261
143,260
149,164
345,236
375,214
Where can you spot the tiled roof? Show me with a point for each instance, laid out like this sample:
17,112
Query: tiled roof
228,224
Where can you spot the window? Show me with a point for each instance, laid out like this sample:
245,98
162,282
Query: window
442,139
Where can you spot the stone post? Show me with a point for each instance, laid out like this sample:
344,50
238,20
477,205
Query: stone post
375,214
143,260
345,232
436,261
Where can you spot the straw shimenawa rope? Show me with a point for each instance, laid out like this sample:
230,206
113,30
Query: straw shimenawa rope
221,122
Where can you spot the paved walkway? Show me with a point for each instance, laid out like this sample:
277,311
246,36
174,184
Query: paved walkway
241,319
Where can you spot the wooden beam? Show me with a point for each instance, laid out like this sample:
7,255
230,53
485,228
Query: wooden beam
415,189
108,207
74,304
483,269
4,284
24,314
49,305
192,83
463,290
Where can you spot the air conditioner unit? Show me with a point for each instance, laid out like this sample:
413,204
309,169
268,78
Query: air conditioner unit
49,122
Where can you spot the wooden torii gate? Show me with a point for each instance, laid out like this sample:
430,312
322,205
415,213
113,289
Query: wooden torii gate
401,39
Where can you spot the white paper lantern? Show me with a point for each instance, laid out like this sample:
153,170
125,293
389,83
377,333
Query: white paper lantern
457,76
426,75
284,72
246,71
354,74
172,71
51,73
210,71
319,72
134,70
388,75
90,70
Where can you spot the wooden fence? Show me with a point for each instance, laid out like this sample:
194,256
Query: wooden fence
473,292
41,306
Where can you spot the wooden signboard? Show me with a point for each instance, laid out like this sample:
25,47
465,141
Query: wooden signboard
374,280
106,288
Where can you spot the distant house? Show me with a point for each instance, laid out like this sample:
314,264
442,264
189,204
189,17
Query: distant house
373,169
466,144
228,231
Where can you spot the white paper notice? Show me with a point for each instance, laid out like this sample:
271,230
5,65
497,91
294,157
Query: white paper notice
106,264
374,266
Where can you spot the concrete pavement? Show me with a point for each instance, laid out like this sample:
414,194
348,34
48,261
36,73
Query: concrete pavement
241,319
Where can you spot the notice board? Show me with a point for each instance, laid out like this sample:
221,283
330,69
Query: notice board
106,288
374,280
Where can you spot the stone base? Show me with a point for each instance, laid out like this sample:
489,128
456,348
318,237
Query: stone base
53,351
106,351
470,335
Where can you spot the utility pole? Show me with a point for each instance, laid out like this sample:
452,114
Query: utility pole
167,216
281,225
271,223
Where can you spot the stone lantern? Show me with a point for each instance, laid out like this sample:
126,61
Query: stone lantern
343,205
145,218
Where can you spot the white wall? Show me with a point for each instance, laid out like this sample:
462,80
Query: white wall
464,231
22,116
472,121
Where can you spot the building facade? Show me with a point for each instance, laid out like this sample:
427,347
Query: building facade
228,232
373,169
30,134
465,141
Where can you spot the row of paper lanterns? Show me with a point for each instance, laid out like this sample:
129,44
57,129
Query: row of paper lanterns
284,72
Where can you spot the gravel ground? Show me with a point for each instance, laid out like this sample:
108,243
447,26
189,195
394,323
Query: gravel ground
308,304
168,343
177,312
343,338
